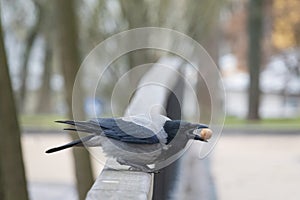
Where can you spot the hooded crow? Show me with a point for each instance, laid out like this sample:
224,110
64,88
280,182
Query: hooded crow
137,141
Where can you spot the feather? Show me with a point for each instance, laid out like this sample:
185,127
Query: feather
117,129
71,144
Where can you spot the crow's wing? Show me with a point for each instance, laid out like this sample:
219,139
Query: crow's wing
115,128
127,131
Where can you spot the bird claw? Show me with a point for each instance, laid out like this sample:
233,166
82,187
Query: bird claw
134,169
144,170
137,167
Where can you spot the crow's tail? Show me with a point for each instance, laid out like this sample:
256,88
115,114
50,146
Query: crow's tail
78,142
82,126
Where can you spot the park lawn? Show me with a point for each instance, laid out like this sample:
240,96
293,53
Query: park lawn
268,123
47,122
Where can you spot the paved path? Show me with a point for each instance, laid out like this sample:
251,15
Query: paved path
243,166
257,167
50,176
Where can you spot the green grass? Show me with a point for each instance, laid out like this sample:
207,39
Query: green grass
47,122
269,123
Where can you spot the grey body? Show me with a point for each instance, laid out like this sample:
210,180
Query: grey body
140,154
137,141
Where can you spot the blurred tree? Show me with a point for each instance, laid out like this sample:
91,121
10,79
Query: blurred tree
203,23
255,31
13,182
286,28
46,9
1,182
235,32
90,18
44,99
32,34
32,27
234,29
136,14
163,11
199,20
240,33
70,62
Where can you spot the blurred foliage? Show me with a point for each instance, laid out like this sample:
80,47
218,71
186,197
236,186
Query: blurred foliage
220,26
286,25
281,27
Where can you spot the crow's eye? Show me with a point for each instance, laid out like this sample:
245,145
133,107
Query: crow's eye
197,131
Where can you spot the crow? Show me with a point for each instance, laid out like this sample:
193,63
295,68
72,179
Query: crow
136,141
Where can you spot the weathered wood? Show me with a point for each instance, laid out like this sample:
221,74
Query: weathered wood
123,184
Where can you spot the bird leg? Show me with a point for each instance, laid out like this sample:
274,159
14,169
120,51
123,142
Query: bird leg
134,166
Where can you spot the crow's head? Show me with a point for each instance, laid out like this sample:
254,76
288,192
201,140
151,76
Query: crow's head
197,131
191,131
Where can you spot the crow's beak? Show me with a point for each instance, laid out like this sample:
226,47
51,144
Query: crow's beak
197,137
202,134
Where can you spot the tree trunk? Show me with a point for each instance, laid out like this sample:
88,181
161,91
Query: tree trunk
69,59
255,18
13,182
206,33
135,12
27,51
1,181
44,103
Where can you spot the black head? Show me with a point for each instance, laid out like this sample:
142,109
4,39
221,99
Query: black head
188,130
199,132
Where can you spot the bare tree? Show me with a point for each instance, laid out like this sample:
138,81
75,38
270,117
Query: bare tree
28,43
45,31
202,17
255,24
136,14
12,175
44,103
69,59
